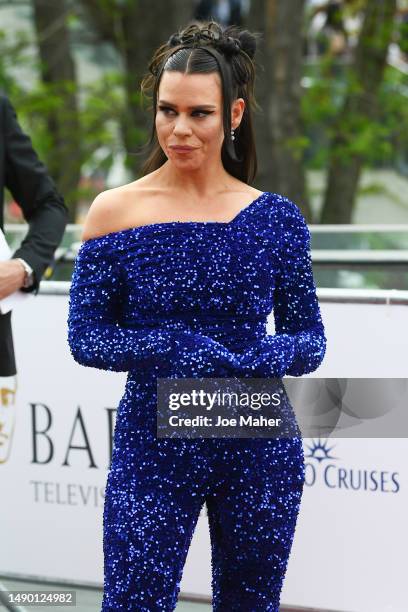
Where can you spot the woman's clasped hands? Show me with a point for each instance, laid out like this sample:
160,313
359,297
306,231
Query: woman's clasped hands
200,355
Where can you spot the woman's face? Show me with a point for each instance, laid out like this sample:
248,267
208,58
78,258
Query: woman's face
189,113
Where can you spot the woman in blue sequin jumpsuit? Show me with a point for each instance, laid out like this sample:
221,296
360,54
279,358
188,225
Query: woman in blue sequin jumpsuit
181,297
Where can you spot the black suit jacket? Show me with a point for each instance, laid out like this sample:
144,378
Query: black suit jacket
43,208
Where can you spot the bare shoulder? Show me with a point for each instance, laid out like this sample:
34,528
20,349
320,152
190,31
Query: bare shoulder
110,211
101,214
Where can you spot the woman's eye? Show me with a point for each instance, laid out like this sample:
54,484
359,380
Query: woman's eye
165,110
196,113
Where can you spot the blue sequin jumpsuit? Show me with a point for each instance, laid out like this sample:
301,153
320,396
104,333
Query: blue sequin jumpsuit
192,299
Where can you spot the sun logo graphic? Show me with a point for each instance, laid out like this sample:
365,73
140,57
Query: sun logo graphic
319,450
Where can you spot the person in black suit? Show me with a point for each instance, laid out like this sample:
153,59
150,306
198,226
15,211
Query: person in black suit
43,208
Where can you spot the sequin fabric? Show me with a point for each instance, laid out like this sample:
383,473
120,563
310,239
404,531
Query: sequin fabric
192,299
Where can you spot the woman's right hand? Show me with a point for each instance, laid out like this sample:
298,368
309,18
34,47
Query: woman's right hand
269,357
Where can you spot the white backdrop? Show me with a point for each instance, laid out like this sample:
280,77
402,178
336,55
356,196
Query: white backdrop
350,545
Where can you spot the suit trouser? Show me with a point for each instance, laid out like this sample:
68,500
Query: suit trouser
7,355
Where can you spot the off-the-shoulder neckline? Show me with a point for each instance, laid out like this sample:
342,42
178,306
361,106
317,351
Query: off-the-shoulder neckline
147,226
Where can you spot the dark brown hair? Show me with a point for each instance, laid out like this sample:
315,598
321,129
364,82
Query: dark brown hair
206,47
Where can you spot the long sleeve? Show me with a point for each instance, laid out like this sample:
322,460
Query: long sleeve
299,343
97,339
296,310
33,189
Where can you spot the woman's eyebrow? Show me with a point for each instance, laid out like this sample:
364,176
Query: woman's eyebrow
189,107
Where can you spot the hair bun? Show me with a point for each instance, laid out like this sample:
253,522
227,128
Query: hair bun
247,42
229,45
243,39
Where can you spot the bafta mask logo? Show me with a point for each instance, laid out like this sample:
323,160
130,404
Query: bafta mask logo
7,415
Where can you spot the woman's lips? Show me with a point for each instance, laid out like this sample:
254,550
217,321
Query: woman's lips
182,149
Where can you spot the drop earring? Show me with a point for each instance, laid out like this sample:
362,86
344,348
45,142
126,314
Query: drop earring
232,134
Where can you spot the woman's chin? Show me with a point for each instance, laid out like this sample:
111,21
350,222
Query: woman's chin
185,164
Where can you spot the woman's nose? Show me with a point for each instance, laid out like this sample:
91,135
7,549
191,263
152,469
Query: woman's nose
181,125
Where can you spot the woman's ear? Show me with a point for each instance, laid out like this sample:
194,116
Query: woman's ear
237,111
